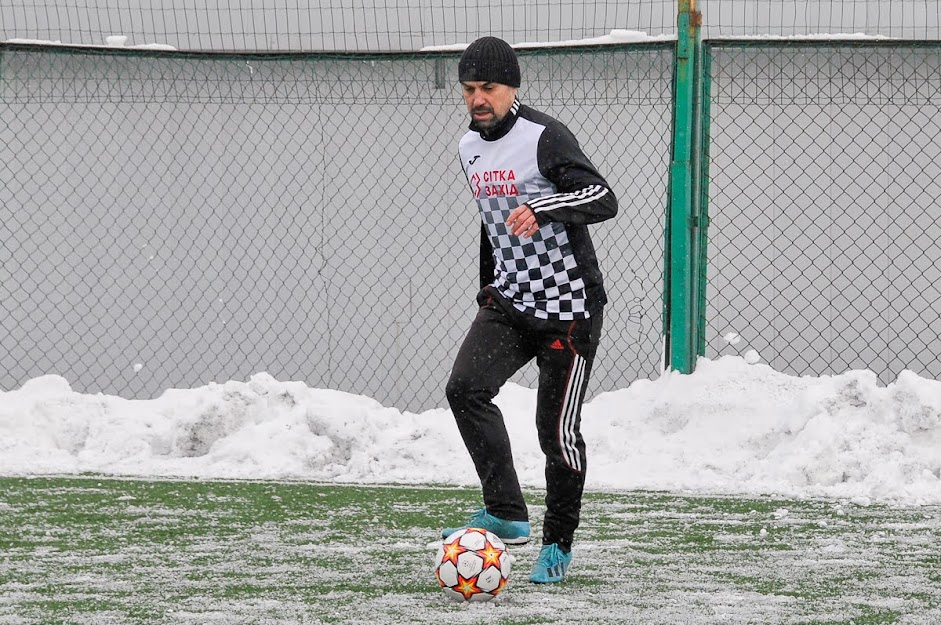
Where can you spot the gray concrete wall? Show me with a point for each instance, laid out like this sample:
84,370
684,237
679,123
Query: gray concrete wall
380,25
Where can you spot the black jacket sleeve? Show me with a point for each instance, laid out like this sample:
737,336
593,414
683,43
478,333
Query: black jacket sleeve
583,196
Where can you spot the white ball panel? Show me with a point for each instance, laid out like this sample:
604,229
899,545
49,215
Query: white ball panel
448,573
455,536
489,579
473,540
506,563
469,564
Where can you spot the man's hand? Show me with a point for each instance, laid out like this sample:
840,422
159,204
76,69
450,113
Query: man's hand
522,222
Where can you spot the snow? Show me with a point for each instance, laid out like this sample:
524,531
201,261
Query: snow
812,37
615,36
620,36
752,357
729,428
111,41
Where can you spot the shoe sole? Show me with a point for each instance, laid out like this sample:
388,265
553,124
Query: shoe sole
519,540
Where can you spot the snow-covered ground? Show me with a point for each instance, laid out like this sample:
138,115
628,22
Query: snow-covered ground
731,427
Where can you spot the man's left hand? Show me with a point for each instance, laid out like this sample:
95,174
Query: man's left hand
522,222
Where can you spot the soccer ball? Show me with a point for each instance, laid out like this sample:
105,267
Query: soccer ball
472,565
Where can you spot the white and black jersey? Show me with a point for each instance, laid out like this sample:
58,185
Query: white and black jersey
531,158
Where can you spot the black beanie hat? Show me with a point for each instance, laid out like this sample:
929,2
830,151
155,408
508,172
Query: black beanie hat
491,60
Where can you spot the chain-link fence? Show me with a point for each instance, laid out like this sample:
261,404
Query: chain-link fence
825,179
169,219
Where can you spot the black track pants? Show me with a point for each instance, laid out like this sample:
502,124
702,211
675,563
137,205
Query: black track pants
500,341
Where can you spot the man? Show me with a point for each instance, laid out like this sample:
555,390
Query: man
541,297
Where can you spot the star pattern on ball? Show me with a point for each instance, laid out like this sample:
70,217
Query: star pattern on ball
451,552
490,554
467,587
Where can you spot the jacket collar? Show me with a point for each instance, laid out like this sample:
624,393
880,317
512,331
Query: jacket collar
503,127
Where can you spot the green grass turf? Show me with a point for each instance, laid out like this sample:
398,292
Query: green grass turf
97,550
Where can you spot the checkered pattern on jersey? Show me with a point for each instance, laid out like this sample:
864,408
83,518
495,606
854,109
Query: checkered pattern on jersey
539,275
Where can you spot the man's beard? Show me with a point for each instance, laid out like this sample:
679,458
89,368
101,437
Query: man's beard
489,124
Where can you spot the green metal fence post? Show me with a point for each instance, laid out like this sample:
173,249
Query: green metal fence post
702,180
681,277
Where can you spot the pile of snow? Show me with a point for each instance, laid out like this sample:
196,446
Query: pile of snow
731,427
616,36
111,41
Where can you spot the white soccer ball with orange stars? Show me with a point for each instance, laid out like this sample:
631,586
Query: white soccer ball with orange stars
472,565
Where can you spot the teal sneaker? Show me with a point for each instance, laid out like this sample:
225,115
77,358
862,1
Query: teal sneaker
510,532
551,565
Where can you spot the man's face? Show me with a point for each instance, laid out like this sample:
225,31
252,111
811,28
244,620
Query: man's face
487,102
